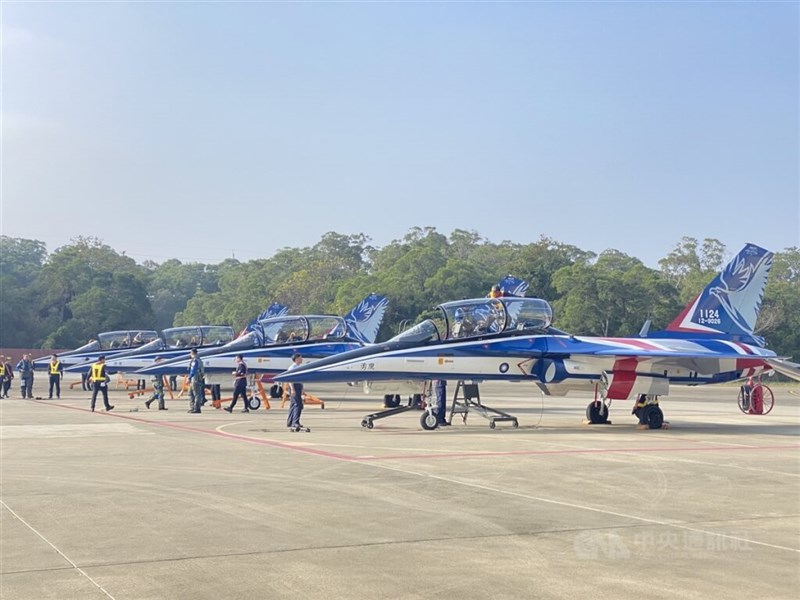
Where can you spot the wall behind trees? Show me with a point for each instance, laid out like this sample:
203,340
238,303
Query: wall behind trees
63,298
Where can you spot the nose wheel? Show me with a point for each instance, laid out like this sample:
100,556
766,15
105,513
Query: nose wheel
428,421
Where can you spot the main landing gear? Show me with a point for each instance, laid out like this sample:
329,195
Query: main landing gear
646,409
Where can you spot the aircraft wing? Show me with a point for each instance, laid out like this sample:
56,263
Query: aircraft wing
785,367
663,354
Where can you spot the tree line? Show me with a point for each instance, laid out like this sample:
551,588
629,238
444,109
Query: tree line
63,298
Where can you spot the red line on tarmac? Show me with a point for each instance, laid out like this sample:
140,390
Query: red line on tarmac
214,432
349,458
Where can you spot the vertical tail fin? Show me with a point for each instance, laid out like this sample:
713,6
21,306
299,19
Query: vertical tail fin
730,304
513,286
365,319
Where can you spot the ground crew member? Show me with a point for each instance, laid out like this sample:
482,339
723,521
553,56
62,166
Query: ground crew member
158,390
99,379
239,384
25,368
440,388
9,375
496,292
86,385
56,371
196,377
296,399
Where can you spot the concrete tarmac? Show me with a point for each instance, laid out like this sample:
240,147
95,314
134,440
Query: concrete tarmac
146,504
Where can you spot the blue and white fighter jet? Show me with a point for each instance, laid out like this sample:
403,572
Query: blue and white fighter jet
268,347
173,342
107,343
512,339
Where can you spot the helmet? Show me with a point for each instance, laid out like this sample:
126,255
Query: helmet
459,315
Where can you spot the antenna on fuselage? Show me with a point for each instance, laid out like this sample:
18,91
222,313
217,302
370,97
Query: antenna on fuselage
645,328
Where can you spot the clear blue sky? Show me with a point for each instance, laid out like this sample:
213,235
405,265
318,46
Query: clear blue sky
198,130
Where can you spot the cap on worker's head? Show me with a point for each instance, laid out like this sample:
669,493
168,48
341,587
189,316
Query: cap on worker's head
193,351
296,355
101,357
239,357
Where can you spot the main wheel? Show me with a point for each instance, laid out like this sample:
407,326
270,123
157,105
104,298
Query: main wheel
597,412
254,403
275,391
652,416
428,421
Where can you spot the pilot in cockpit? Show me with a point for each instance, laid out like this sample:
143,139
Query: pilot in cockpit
462,327
493,320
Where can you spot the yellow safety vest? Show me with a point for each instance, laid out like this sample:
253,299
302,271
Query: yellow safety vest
97,372
2,369
55,367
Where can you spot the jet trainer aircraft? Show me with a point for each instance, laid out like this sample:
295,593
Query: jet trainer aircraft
172,343
512,339
107,343
269,347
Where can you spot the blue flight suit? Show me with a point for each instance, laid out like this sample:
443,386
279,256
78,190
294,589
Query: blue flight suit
440,388
239,387
25,369
196,383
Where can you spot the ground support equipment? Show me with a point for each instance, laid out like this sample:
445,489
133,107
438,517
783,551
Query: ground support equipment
307,398
467,397
414,403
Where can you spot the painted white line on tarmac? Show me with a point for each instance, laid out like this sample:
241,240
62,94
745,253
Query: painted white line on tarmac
64,556
658,522
221,427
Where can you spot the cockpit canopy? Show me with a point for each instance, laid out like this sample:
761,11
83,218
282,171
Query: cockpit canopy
204,335
292,330
120,340
479,317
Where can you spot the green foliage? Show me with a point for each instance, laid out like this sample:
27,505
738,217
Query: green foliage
86,287
21,261
612,297
779,321
690,267
172,284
